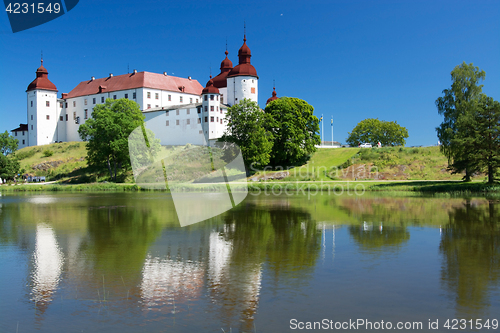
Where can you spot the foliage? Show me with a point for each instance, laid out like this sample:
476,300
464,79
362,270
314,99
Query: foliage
107,132
370,130
9,165
459,101
294,129
8,144
48,153
246,128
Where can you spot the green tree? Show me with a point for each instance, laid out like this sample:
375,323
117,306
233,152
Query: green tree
370,130
107,132
459,101
295,131
8,144
9,165
246,128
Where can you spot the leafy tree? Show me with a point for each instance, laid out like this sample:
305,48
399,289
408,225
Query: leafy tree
460,100
477,138
9,165
8,144
388,133
294,128
107,132
246,128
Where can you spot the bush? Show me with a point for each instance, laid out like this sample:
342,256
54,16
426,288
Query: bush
48,153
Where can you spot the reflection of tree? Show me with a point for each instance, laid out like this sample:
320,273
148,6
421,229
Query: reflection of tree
470,244
373,238
286,239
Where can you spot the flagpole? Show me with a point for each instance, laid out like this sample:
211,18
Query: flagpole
322,133
332,131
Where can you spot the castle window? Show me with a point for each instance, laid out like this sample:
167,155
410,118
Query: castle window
66,105
85,101
211,119
102,99
157,96
126,96
114,96
211,97
211,107
217,119
74,115
74,103
15,133
66,117
222,99
31,117
31,103
252,90
197,100
235,99
180,99
217,108
48,118
24,142
217,98
221,120
149,106
134,95
23,133
167,123
199,120
86,113
47,103
190,100
167,113
206,108
169,98
149,94
176,112
61,105
206,120
93,100
31,127
206,97
187,121
199,110
187,111
252,81
177,122
61,118
200,132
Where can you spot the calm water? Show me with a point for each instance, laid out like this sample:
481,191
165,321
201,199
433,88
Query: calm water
121,263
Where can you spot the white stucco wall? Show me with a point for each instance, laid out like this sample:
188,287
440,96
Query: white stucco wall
240,87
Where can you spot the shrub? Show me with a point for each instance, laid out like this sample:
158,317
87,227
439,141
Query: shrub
25,154
48,153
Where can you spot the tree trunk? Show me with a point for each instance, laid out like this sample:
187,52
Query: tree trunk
115,169
109,168
490,174
467,175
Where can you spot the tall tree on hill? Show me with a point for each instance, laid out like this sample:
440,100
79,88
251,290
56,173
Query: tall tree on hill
295,131
388,133
461,100
246,128
107,132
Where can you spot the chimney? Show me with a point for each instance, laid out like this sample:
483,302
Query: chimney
135,71
165,73
189,78
110,74
64,95
92,78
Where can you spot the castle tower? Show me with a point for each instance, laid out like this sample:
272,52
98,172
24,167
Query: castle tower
43,111
242,80
220,81
273,98
213,124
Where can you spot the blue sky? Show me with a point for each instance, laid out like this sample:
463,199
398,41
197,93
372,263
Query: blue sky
349,59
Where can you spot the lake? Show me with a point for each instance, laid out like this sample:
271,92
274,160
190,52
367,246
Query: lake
120,262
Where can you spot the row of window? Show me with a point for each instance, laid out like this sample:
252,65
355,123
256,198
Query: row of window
16,134
188,121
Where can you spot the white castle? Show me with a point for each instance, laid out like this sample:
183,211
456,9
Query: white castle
175,108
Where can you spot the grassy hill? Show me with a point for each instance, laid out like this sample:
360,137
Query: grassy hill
67,162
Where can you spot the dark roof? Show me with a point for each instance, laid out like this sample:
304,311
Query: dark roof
22,127
42,80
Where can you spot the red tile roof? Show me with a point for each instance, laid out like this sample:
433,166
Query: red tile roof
42,80
136,80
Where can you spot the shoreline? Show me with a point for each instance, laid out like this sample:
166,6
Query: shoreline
276,187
